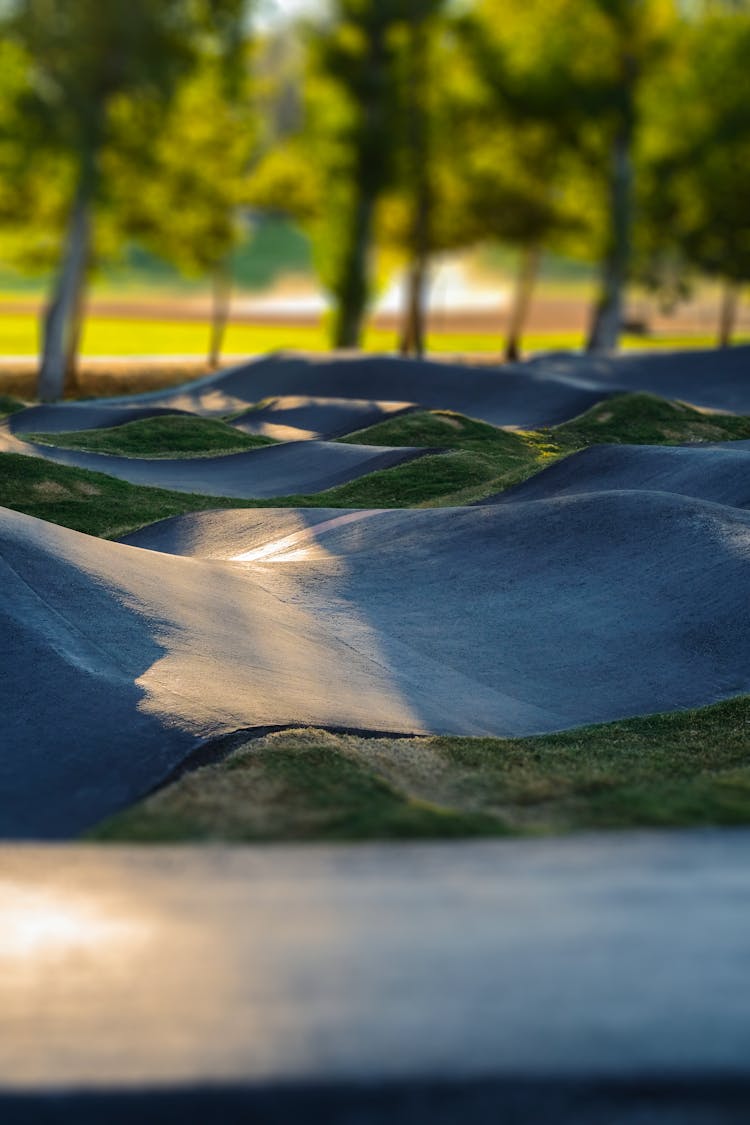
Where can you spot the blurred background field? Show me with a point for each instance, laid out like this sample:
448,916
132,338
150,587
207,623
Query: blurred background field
485,179
144,308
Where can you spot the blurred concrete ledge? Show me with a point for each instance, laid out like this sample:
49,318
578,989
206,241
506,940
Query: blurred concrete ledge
599,978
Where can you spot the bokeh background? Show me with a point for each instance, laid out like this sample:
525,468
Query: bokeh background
188,181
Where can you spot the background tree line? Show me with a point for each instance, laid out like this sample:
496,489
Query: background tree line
612,131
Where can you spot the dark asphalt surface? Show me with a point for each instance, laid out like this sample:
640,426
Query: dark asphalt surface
304,417
310,394
61,417
505,620
575,982
286,469
583,981
717,473
717,380
607,586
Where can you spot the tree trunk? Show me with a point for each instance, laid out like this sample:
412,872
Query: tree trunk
222,296
608,315
525,281
414,324
730,300
352,291
62,318
71,384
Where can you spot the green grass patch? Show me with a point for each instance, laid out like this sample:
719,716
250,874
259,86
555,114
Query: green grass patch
644,419
101,505
479,460
483,460
94,503
170,435
684,769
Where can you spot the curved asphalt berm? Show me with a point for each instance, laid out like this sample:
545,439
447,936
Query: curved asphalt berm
286,469
545,391
305,418
715,379
537,982
719,473
290,418
513,395
60,417
504,620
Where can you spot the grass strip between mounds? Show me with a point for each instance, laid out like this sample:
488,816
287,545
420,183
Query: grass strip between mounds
479,460
683,769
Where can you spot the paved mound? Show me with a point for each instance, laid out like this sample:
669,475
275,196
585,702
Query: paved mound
503,396
499,620
65,417
512,395
720,473
715,379
312,394
300,417
276,470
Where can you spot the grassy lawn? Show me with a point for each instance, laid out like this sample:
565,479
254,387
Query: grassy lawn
167,436
479,460
121,336
683,769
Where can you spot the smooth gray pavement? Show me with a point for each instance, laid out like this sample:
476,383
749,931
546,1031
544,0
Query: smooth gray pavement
290,418
575,981
720,473
287,469
310,393
306,417
505,620
512,395
715,379
57,418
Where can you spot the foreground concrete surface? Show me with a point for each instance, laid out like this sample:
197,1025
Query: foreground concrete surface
601,978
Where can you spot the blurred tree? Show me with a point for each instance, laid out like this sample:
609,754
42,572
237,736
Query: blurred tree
576,67
84,56
34,183
637,34
177,178
351,109
696,186
419,92
520,160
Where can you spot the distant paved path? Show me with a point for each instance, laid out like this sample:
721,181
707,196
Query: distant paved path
596,979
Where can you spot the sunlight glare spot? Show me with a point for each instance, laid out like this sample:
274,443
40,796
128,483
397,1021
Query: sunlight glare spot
36,922
301,545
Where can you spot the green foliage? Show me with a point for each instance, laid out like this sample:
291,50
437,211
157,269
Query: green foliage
178,176
36,180
696,179
685,769
351,108
139,103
